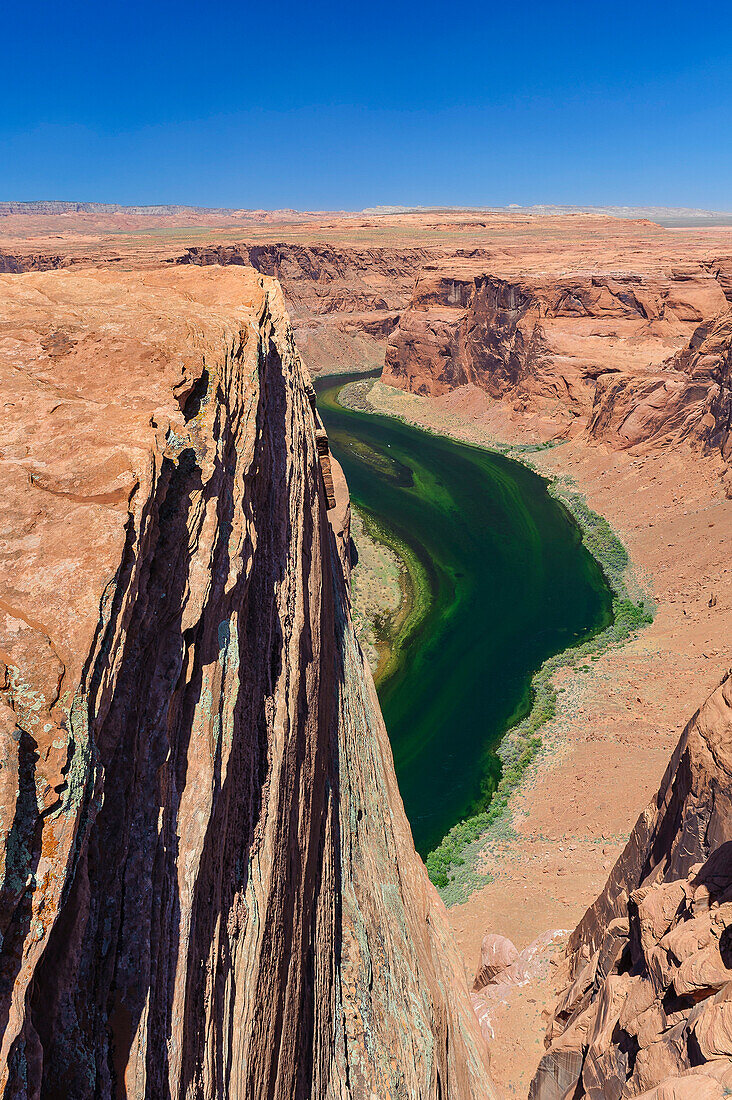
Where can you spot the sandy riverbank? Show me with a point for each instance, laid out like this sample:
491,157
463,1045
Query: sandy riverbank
617,724
379,592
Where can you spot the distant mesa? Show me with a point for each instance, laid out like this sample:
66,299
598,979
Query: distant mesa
678,216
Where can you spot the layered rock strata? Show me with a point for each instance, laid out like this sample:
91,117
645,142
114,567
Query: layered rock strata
690,397
542,337
321,279
208,882
634,361
647,1010
14,263
344,301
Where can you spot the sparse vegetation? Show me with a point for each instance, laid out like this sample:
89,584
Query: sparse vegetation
452,866
386,623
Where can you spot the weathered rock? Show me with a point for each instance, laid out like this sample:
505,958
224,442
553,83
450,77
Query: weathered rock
650,965
544,339
209,886
319,279
584,351
16,262
338,296
496,954
502,970
690,397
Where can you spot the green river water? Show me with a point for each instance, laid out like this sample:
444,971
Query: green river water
500,581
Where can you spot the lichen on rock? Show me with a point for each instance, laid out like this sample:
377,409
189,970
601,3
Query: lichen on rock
209,883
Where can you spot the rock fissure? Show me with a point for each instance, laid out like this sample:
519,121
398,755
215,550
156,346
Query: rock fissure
225,898
207,883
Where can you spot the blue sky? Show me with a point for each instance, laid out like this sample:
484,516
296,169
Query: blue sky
326,106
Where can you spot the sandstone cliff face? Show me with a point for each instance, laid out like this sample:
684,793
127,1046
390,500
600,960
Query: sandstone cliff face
320,279
547,342
14,263
714,354
344,301
690,397
648,1006
721,268
208,882
336,294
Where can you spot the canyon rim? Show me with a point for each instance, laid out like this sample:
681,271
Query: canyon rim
209,883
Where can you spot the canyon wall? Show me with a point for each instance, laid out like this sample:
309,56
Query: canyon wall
543,341
319,279
647,1008
208,886
632,359
344,301
15,262
689,397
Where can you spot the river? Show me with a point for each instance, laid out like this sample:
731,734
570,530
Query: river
500,582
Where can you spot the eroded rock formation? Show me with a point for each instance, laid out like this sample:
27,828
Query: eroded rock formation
15,262
323,279
647,1010
690,397
344,301
208,882
633,360
542,338
335,294
502,971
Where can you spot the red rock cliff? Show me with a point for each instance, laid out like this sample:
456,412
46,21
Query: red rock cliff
208,881
647,1010
545,342
689,397
344,301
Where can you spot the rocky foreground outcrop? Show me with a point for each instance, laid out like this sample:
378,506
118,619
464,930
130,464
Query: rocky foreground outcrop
647,1011
208,882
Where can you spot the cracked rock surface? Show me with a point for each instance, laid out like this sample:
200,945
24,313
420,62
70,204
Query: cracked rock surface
647,1006
209,886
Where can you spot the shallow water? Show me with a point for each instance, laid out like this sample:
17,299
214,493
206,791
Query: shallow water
504,582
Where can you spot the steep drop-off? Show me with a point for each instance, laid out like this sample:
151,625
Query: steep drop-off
501,583
344,301
13,263
542,338
631,360
647,1010
690,397
208,883
324,279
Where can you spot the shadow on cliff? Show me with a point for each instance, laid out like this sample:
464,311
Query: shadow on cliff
141,920
281,964
22,854
109,953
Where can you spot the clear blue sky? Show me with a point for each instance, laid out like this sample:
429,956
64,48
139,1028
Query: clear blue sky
341,106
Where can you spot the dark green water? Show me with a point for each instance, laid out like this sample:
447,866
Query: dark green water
506,584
